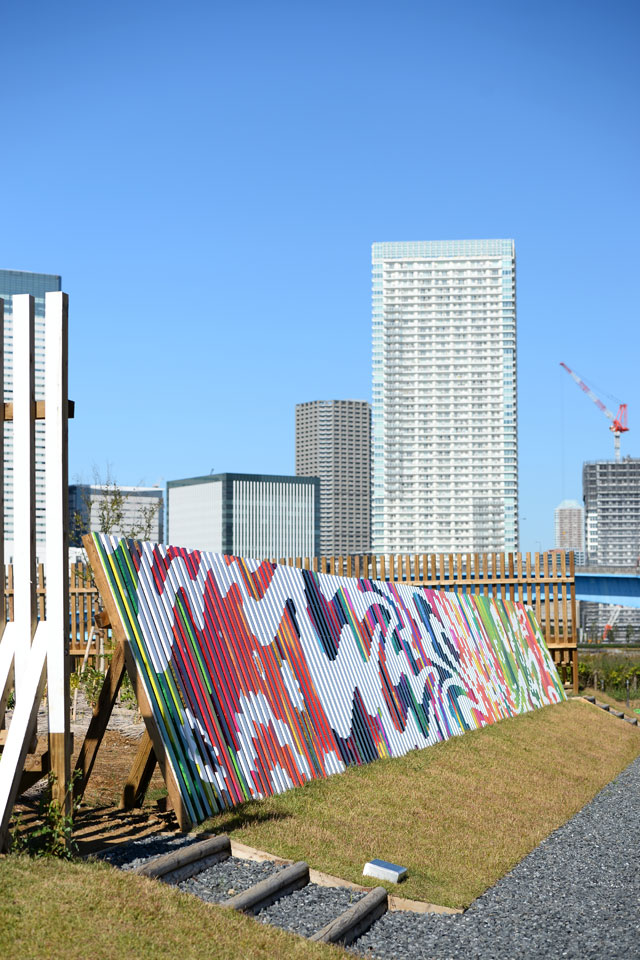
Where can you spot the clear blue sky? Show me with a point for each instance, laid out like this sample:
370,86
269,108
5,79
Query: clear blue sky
208,179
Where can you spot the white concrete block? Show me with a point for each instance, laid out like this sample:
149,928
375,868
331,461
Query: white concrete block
383,870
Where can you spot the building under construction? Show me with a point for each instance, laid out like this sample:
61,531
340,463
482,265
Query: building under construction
611,492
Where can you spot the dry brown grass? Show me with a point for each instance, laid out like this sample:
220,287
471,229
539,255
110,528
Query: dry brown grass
459,815
83,911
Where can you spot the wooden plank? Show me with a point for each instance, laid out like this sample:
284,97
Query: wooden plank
555,597
537,575
144,706
195,853
547,603
267,891
57,539
527,579
137,783
574,669
355,920
565,610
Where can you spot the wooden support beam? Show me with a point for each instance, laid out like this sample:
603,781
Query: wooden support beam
144,705
31,777
140,775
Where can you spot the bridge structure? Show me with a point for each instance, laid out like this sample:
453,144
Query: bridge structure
612,585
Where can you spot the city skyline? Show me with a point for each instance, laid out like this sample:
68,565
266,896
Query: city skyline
221,275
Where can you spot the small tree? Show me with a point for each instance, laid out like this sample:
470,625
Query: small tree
112,514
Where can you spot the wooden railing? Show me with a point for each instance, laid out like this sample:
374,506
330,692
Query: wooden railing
544,582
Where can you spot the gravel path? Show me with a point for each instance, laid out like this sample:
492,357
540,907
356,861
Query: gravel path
225,879
308,910
577,895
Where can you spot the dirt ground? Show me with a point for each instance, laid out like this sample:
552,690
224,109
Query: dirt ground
98,821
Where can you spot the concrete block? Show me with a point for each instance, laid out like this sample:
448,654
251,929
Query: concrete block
383,870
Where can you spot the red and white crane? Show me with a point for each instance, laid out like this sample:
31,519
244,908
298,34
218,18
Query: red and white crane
619,422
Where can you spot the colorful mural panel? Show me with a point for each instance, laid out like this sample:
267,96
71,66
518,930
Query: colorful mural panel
262,677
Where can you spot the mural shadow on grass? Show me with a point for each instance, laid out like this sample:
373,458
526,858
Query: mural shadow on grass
246,815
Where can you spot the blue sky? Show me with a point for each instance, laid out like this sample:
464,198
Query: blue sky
208,179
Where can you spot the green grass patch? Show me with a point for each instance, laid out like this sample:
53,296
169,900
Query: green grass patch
459,814
76,911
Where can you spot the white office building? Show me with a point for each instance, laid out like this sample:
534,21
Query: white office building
13,282
445,443
256,516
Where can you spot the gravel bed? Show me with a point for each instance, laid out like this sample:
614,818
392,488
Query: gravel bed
308,910
129,855
225,879
576,896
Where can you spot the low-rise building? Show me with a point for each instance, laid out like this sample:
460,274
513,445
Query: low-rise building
247,515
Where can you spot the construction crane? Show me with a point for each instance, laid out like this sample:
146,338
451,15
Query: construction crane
619,422
612,620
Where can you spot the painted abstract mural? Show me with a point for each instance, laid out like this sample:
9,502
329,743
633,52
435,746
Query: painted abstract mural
262,676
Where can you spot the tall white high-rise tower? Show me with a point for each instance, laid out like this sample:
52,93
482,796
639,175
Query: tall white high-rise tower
14,282
445,442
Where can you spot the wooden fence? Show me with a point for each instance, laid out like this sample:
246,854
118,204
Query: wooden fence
546,582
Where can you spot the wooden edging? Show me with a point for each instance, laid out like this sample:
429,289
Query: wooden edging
355,920
193,856
607,708
262,894
244,852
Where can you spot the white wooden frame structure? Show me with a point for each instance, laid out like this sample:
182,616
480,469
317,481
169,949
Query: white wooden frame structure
34,652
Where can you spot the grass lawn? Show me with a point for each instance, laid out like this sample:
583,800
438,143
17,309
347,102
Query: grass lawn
459,815
89,911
